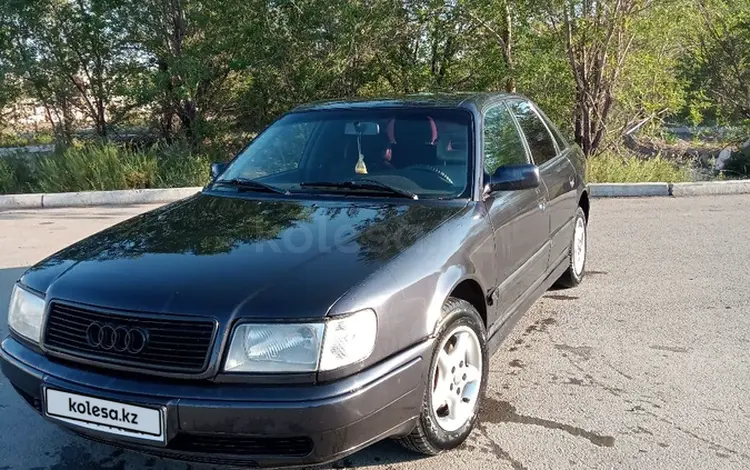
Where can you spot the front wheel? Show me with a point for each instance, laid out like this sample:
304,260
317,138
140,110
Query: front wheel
455,384
577,253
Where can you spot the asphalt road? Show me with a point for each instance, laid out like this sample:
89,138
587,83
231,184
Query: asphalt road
646,365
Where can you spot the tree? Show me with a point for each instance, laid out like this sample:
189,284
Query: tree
198,52
98,59
208,69
496,19
311,51
723,54
26,57
9,86
73,54
650,86
598,36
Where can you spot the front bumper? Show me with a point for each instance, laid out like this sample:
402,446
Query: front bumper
256,425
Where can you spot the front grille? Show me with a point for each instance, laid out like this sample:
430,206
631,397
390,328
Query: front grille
242,445
174,345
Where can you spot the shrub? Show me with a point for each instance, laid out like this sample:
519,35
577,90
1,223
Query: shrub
7,178
181,167
15,140
613,168
96,167
16,174
102,167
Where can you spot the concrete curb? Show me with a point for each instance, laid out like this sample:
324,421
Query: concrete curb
95,198
711,188
123,197
21,201
629,189
703,188
155,196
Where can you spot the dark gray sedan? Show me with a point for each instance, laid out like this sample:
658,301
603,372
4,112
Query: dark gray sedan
344,279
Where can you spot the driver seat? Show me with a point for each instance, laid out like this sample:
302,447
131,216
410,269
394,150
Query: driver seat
413,141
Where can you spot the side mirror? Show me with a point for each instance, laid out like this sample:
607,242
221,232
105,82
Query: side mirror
217,168
514,178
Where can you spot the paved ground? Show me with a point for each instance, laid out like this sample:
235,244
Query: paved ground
646,365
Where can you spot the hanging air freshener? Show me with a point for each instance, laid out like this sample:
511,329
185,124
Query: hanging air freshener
360,168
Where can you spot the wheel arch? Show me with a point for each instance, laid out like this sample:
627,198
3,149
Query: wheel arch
456,281
470,291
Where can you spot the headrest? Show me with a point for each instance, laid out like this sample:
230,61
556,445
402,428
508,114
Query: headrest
418,130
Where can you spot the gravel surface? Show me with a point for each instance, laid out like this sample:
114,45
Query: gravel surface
646,365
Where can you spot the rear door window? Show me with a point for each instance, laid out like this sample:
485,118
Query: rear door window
562,143
540,141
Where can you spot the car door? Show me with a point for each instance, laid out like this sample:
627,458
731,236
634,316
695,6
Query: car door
558,175
518,218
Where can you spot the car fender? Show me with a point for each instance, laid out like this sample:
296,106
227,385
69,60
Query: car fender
446,284
408,293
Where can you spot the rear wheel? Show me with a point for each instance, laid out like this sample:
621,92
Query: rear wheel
456,382
577,253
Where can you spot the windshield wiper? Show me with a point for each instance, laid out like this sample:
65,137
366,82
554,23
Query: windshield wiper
365,184
252,185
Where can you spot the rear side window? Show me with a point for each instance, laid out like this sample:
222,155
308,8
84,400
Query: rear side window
538,137
503,144
562,143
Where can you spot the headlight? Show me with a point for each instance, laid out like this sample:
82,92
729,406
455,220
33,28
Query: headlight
26,313
302,347
275,348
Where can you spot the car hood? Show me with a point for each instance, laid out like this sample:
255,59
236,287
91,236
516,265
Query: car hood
233,257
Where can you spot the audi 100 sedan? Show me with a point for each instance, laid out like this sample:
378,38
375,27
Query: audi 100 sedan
344,279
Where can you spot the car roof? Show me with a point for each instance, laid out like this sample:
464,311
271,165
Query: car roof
469,100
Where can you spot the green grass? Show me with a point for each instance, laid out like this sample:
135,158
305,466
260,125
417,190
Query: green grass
612,168
103,167
179,167
96,168
7,178
16,174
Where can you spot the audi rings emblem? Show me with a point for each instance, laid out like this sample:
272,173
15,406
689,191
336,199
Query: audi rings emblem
116,338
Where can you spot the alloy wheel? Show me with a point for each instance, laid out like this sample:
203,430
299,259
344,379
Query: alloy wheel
457,379
579,246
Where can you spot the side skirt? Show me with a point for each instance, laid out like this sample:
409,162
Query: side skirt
522,305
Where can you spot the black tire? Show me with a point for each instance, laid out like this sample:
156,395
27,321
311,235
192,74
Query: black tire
570,277
428,438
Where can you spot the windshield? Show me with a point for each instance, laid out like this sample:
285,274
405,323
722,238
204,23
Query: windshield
425,152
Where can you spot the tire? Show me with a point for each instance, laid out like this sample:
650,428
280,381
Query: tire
436,431
576,270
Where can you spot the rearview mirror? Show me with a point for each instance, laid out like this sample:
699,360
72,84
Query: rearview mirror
514,178
217,168
362,128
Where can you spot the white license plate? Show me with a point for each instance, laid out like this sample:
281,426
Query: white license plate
105,416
